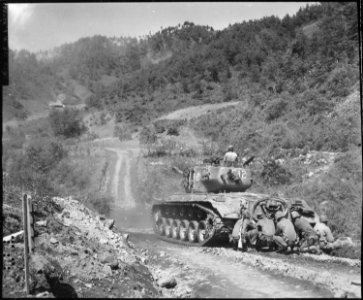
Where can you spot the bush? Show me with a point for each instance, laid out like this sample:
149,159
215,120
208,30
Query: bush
274,174
32,170
339,81
275,109
172,131
95,102
67,123
172,126
168,147
123,132
147,136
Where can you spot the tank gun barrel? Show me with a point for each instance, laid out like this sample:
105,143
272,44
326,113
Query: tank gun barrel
248,161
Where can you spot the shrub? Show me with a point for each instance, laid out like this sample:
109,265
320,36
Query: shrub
123,132
274,174
339,81
67,123
95,102
32,170
172,131
275,109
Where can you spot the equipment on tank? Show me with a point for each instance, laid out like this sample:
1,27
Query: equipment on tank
211,206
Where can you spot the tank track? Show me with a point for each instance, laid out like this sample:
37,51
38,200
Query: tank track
176,223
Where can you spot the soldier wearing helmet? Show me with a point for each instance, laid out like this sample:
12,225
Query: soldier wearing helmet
306,233
285,236
326,239
263,235
230,158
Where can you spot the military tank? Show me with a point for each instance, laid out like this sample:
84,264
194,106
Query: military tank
208,210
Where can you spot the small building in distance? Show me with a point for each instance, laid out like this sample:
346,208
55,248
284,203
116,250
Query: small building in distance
59,102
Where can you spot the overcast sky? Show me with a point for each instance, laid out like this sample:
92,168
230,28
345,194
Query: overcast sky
43,26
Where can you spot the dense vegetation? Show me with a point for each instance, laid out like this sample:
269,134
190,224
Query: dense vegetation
315,50
295,75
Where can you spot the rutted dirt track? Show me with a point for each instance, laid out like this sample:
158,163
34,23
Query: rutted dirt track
121,185
222,272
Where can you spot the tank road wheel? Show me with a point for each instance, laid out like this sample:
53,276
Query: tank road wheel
167,212
175,229
162,226
209,222
168,226
202,231
183,230
193,231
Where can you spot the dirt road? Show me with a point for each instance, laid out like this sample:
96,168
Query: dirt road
221,272
121,185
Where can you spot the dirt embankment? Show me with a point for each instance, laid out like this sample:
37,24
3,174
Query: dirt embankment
77,254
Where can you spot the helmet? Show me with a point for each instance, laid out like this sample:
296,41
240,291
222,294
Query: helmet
279,215
295,215
230,148
323,219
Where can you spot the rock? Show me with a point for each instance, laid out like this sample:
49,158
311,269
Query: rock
114,265
167,282
89,285
105,258
53,240
43,295
103,241
109,223
162,253
41,223
144,260
102,217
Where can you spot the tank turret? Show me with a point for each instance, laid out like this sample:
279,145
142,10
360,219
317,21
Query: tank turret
216,179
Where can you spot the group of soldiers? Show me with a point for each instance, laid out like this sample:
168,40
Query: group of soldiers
281,233
284,232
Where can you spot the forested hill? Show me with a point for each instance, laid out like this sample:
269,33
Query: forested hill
311,55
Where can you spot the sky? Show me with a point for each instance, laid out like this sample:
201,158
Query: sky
43,26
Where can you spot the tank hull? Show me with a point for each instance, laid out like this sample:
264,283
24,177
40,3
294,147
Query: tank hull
208,219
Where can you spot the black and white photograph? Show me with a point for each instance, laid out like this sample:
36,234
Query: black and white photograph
181,149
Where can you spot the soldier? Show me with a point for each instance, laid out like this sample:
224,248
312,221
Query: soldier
326,239
230,158
244,224
307,235
285,236
263,235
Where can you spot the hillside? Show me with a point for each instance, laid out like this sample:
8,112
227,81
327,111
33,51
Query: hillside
315,50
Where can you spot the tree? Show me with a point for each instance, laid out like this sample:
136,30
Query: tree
67,123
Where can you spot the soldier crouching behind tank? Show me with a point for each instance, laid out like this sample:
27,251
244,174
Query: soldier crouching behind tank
241,231
285,236
309,239
263,237
326,238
